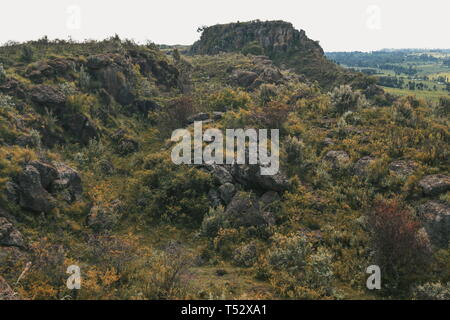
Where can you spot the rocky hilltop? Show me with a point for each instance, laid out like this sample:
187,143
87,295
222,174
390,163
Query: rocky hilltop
281,42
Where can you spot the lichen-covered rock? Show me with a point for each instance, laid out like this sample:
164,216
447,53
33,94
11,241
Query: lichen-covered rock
33,196
338,159
436,218
403,167
435,184
12,191
9,235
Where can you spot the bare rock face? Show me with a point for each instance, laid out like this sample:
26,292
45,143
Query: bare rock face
436,218
9,235
33,196
435,184
338,159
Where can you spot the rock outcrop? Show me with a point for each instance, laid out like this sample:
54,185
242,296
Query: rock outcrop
435,184
436,218
40,182
9,235
282,43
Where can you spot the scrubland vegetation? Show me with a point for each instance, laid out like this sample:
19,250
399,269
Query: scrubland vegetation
354,160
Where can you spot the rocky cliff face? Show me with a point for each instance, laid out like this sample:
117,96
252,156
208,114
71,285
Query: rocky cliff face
270,37
281,42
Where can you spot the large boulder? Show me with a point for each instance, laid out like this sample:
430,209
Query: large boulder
243,211
246,210
250,176
47,172
436,218
47,96
244,78
68,182
9,235
81,127
33,196
51,68
435,184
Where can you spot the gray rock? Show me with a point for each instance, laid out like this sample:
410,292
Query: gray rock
220,173
436,218
250,176
338,159
268,198
243,211
48,96
403,167
33,196
48,173
227,191
9,235
244,78
435,184
68,179
198,117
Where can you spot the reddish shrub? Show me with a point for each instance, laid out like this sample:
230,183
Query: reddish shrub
401,252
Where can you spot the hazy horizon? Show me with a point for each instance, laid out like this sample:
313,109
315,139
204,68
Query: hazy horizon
348,25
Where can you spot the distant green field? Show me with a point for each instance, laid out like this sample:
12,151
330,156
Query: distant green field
428,95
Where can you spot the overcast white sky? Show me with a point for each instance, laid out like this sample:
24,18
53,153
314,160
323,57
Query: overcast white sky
339,25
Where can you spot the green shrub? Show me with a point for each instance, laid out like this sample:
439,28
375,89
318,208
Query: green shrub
344,99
